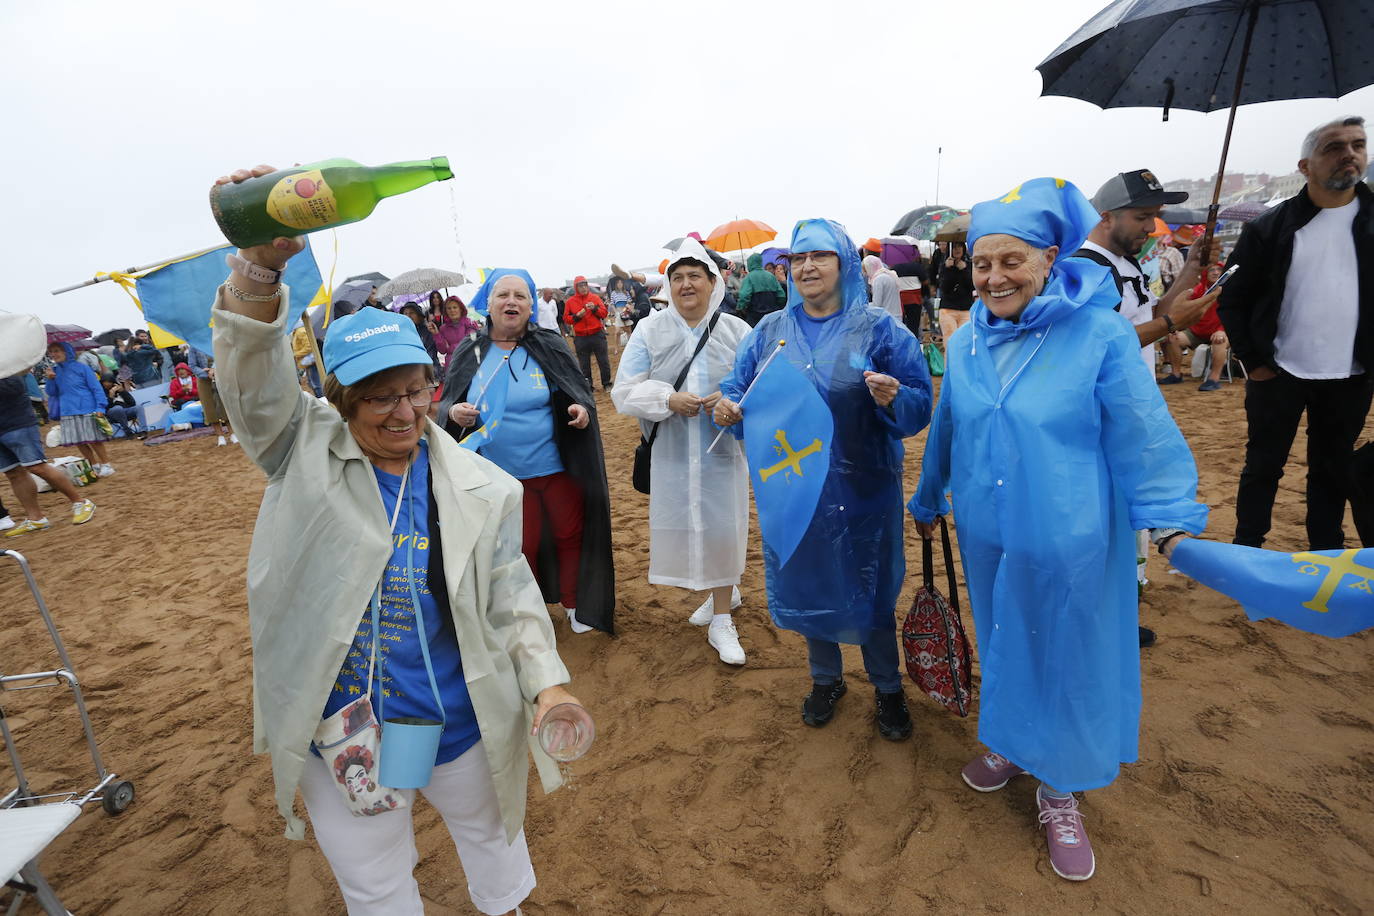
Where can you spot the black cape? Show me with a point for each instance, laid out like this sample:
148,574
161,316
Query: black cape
582,457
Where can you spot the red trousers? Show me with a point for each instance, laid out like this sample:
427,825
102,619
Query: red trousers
557,500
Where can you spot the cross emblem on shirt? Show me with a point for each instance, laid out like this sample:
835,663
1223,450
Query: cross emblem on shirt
538,380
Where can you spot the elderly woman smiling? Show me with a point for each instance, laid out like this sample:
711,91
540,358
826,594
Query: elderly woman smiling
1058,446
547,437
370,507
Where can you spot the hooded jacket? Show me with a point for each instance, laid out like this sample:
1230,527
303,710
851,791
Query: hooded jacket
1064,448
760,293
74,390
183,389
842,580
1250,302
585,313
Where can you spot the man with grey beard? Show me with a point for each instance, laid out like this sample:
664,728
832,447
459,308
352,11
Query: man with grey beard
1300,315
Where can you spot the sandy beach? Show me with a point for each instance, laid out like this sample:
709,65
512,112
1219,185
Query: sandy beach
704,792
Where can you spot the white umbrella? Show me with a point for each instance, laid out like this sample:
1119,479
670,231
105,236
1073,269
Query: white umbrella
420,281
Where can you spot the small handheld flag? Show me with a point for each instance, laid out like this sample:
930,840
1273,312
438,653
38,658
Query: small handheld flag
744,397
787,438
491,404
1327,592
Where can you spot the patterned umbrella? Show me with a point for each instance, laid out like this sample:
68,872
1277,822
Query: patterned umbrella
1243,212
740,235
421,280
65,333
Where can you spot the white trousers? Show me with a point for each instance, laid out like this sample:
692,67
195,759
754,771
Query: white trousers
374,858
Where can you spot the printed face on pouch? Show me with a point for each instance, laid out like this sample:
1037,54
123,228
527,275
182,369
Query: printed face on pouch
509,306
1008,273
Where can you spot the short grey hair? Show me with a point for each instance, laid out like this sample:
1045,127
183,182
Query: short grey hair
1309,143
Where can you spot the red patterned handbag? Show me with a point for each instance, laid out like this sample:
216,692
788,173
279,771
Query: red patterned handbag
938,658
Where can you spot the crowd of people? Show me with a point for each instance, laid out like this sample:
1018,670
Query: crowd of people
439,474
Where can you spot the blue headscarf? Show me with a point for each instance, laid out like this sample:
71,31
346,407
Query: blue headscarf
1044,212
828,235
479,301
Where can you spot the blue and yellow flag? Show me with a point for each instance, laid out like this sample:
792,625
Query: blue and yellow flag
491,384
178,297
1327,592
787,434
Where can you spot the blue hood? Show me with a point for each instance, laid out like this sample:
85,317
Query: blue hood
479,300
828,235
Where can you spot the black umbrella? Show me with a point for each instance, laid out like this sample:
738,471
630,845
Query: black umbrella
1185,53
1188,215
919,220
372,279
108,338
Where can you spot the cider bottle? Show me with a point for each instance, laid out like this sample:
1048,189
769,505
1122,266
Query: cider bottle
294,201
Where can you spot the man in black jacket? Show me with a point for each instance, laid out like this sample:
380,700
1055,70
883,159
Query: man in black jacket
1300,315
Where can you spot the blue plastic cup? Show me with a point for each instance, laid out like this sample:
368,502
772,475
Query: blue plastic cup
409,749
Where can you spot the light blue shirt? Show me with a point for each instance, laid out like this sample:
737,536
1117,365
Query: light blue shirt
524,445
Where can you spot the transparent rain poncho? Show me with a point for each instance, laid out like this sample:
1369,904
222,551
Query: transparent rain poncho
1057,446
842,581
699,501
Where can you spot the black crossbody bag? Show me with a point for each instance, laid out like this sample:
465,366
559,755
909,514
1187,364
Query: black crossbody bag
644,452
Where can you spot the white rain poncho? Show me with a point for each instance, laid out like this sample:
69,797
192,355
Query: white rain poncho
699,502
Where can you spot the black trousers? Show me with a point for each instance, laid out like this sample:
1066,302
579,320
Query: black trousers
1336,411
593,344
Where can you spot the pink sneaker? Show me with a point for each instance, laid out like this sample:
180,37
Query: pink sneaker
990,772
1071,855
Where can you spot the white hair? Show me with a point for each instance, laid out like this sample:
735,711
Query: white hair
1309,143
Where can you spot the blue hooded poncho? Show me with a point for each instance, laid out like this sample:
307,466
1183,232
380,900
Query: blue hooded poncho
1064,448
76,389
842,581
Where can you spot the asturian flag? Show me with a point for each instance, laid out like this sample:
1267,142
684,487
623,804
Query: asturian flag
1327,592
179,297
787,434
492,383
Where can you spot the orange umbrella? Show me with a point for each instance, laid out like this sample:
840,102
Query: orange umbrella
740,234
1161,229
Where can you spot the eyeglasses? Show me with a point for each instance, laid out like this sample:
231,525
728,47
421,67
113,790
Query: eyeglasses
800,259
386,403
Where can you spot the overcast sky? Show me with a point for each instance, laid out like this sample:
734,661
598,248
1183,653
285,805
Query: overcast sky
579,133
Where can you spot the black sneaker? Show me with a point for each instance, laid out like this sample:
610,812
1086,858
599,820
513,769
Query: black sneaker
819,707
894,721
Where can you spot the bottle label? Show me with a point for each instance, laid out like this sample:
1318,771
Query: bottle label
303,201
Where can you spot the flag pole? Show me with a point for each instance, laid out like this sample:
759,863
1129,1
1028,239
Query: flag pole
777,349
101,278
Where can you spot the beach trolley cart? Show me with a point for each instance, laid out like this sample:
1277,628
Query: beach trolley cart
29,822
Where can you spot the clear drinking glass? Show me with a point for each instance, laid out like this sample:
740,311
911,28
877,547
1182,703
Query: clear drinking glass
566,732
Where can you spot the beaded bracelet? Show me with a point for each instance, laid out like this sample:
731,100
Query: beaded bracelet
251,297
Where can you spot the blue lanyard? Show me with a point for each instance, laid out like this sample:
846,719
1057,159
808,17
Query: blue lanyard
414,603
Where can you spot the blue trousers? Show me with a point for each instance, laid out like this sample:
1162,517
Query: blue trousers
880,661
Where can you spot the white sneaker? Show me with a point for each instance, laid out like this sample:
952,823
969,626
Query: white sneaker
725,640
180,427
577,627
702,615
104,470
220,442
6,523
233,439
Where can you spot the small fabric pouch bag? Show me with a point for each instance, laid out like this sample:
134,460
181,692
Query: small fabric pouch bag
938,657
350,741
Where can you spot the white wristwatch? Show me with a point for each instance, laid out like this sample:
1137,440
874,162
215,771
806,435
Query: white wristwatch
252,271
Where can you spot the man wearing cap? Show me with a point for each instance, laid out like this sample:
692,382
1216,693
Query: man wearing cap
1130,203
1300,315
586,313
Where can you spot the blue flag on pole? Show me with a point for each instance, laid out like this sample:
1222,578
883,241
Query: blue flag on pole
492,384
787,434
178,297
1327,592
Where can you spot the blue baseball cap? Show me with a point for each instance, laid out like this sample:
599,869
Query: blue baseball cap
369,341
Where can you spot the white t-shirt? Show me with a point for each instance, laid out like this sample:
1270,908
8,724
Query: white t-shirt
1135,309
1321,300
548,314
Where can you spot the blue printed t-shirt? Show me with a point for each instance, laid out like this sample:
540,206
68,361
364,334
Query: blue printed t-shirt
400,666
812,326
523,445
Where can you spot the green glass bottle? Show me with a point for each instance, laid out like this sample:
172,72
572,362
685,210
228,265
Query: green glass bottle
294,201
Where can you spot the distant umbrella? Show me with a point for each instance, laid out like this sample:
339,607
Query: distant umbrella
923,222
374,279
1188,215
740,235
1243,212
65,333
107,338
674,244
421,280
955,230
